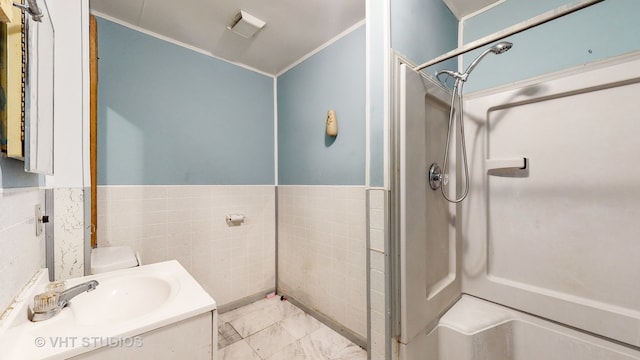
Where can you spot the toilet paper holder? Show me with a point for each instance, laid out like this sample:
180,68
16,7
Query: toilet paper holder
234,219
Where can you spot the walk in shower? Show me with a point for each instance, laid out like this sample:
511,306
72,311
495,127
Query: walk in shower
540,260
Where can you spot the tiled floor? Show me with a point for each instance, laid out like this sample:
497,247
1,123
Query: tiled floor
277,330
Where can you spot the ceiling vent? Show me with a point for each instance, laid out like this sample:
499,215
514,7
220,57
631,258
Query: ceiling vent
246,25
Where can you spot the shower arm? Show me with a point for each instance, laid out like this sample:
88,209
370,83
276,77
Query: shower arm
463,77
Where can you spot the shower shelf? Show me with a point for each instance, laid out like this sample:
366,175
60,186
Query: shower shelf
516,167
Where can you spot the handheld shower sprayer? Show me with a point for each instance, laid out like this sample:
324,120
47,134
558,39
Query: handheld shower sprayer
437,175
497,49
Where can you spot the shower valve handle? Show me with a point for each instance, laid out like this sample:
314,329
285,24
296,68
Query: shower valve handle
435,176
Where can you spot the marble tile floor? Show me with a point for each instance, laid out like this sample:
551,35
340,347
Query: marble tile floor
270,329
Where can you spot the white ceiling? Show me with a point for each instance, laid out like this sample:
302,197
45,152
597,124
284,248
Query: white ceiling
294,27
461,8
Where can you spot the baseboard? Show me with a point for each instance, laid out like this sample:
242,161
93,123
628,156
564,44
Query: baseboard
331,323
244,301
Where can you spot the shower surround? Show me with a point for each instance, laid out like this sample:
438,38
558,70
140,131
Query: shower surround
548,239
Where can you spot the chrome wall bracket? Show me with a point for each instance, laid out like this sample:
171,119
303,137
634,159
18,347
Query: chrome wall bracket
31,8
435,176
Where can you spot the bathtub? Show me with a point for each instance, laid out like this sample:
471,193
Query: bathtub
141,312
474,329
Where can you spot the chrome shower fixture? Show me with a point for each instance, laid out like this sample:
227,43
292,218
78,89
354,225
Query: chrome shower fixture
437,176
497,49
501,47
31,8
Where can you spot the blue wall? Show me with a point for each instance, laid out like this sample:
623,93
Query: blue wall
376,42
603,30
334,78
422,30
508,13
171,116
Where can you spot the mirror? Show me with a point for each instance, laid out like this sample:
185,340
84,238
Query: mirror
26,87
39,93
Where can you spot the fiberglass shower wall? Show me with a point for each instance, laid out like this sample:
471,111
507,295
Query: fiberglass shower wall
419,30
557,239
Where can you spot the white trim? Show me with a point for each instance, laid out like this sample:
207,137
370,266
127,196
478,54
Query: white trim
367,101
460,44
176,186
275,131
176,42
387,93
86,96
10,191
574,70
477,12
323,186
349,30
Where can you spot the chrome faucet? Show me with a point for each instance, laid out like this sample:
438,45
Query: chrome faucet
50,303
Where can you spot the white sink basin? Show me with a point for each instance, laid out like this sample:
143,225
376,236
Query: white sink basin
118,299
126,303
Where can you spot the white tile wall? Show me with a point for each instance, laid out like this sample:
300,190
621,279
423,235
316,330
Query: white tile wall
322,251
68,232
187,223
377,274
21,252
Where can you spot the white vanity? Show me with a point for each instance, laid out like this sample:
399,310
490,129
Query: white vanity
156,311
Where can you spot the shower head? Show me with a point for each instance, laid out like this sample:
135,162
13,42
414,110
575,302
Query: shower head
497,49
501,47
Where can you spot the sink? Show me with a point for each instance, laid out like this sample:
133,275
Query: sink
119,299
126,303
